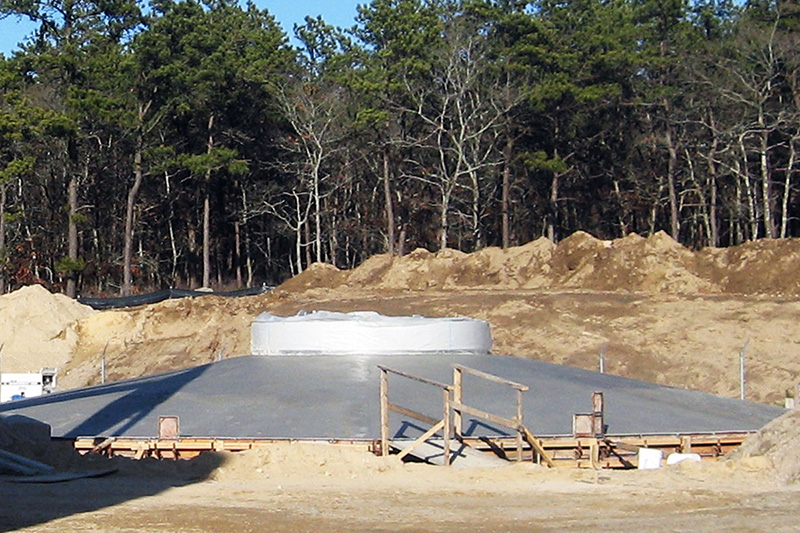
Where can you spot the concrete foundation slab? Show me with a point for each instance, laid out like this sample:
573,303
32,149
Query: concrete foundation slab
337,397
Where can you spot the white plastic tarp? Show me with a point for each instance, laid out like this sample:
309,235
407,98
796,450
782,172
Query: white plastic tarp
366,332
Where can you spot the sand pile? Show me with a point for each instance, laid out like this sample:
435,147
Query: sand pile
657,264
778,441
292,460
37,329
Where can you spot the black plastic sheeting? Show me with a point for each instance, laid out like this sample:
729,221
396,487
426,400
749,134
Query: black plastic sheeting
166,294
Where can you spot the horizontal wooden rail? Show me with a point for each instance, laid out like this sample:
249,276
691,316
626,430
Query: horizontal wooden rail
490,377
415,378
483,415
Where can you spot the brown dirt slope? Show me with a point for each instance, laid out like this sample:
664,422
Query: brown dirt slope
778,442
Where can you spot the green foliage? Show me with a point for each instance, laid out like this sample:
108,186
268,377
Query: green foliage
66,265
579,107
540,161
16,168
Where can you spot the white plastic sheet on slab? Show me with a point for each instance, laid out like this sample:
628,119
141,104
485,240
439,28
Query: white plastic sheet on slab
366,332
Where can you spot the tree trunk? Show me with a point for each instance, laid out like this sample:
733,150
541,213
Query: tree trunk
748,190
134,190
553,211
672,189
207,211
317,218
787,188
387,196
3,254
766,181
443,219
506,193
712,184
72,235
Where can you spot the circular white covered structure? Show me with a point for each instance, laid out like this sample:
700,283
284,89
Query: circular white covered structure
366,332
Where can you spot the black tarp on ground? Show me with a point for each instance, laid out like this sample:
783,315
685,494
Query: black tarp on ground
166,294
337,397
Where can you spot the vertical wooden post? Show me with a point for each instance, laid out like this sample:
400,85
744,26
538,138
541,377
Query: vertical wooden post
384,412
598,426
446,428
457,398
518,420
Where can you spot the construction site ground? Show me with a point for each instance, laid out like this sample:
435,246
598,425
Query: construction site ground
655,310
323,488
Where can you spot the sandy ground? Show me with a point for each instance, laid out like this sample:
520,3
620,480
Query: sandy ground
320,488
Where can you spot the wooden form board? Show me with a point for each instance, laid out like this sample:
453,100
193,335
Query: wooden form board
563,451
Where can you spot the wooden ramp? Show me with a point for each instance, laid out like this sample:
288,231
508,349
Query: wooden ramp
462,456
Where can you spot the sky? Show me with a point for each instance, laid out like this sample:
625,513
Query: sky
335,12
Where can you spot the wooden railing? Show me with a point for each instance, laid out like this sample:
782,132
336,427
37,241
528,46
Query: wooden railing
460,408
453,400
442,425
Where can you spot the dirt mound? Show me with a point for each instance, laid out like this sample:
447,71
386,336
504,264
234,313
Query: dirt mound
37,329
778,441
160,337
758,267
657,264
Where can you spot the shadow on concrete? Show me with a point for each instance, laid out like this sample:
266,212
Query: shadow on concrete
114,408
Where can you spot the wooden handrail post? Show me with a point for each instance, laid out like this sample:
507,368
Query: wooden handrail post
458,397
519,424
446,427
384,412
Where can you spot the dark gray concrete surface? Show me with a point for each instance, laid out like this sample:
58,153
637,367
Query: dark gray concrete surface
337,397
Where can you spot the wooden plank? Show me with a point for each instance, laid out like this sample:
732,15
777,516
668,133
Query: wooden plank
492,377
415,378
536,445
494,419
384,399
410,413
463,456
422,438
103,445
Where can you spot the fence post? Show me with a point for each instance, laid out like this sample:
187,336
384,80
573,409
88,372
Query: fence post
603,358
743,371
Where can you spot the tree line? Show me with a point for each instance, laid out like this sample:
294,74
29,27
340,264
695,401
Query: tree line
192,143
